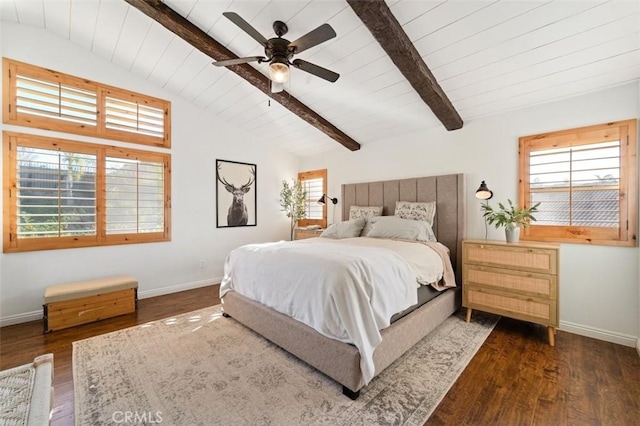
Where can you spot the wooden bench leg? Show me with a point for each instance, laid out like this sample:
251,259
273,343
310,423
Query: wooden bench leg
469,314
45,318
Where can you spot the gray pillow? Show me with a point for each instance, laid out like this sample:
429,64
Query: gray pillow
397,227
349,229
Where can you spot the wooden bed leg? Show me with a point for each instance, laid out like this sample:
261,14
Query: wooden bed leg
351,394
226,315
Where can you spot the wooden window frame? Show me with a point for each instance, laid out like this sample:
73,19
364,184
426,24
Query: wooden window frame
626,233
11,243
11,116
315,174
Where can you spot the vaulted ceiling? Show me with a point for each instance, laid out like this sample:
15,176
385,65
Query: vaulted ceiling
487,56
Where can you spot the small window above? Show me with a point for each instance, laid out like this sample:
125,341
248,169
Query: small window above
46,99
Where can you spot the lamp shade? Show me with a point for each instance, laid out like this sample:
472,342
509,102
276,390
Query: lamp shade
484,193
278,71
323,200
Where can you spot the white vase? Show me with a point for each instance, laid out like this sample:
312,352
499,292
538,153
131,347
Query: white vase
512,234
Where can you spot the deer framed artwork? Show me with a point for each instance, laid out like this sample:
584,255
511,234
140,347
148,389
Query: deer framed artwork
236,196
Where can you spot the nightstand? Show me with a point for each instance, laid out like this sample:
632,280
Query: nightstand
515,280
301,233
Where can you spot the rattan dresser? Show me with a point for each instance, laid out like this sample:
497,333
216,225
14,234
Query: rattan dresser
301,233
516,280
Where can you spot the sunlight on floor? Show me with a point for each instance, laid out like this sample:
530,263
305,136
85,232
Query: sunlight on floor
196,318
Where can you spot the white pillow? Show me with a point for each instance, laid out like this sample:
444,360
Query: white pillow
397,227
349,229
416,211
356,212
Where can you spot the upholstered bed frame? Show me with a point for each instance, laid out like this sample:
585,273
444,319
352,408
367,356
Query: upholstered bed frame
341,361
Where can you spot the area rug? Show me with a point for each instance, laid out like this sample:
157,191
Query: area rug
26,393
200,368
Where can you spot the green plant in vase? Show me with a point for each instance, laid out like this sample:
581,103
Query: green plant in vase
511,217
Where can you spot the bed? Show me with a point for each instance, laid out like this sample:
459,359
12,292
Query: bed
342,361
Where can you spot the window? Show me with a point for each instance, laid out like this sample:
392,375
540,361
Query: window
586,183
315,184
62,194
46,99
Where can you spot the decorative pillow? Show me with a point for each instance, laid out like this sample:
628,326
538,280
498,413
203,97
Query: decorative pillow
349,229
416,211
356,212
397,227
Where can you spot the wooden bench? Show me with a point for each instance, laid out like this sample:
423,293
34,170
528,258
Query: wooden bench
71,304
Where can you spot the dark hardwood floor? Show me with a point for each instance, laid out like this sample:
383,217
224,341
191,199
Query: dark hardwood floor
516,378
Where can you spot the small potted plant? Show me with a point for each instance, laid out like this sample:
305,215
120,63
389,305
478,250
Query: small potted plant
293,198
512,218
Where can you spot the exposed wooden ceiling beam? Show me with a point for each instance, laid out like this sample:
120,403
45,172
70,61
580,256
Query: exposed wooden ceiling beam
193,35
378,18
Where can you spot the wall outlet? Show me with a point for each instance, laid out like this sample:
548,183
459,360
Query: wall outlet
201,263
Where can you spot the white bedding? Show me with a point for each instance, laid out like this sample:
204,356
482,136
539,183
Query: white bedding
344,289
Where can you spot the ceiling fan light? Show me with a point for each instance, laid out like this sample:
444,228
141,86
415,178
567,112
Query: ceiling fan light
278,72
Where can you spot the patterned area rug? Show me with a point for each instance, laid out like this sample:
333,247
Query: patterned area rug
25,393
200,368
16,388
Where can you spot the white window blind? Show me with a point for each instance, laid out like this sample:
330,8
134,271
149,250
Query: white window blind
313,188
134,118
54,100
577,185
134,196
56,193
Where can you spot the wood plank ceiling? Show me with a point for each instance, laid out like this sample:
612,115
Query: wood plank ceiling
488,56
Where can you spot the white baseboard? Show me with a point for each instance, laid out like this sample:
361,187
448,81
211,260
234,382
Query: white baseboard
20,318
596,333
37,315
178,287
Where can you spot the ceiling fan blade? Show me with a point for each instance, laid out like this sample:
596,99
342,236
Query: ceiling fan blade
313,38
238,61
316,70
246,27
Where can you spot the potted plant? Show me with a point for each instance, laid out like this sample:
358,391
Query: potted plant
293,198
511,218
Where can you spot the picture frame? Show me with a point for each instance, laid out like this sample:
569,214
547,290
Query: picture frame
236,194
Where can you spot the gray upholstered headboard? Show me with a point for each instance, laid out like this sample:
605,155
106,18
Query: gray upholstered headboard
446,190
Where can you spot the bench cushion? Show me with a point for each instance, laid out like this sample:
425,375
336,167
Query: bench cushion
60,292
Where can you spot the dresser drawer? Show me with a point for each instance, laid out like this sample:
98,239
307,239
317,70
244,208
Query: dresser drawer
529,283
543,311
302,234
541,260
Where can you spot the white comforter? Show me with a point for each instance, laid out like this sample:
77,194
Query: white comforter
344,289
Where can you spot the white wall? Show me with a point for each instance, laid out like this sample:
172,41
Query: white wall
198,139
598,285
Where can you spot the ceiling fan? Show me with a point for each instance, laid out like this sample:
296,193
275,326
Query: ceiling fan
279,51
